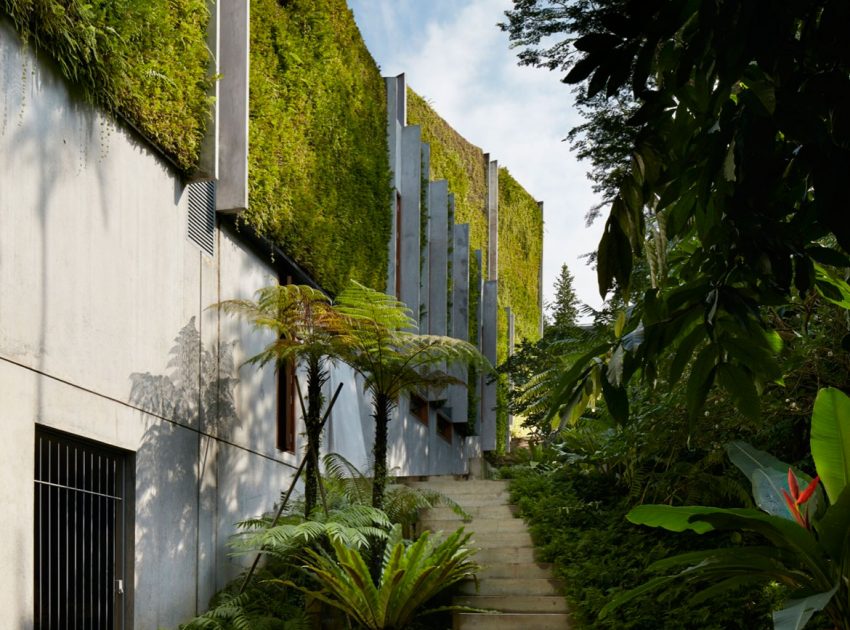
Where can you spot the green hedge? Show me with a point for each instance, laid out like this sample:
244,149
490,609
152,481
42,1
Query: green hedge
520,258
318,168
145,60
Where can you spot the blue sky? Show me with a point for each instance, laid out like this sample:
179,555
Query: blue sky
455,56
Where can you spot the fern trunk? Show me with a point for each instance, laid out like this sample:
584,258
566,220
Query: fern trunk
312,424
382,406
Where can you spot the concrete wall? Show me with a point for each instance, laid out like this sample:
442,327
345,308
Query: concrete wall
105,333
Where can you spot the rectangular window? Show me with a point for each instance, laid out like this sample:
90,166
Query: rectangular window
444,428
286,401
419,408
83,535
286,408
398,245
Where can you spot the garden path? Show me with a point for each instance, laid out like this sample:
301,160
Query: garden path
520,590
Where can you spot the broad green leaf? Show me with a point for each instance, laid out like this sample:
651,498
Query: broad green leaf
676,519
699,383
797,612
742,388
830,440
834,528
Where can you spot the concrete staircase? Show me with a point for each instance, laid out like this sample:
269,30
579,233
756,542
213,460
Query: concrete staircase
511,582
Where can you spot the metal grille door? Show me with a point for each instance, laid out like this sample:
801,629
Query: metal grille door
79,534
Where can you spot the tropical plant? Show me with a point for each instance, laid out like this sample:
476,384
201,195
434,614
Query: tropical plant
305,328
808,546
383,347
402,503
411,575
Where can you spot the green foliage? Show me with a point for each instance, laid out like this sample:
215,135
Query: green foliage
577,521
520,259
809,548
566,305
459,162
143,60
318,171
393,359
411,575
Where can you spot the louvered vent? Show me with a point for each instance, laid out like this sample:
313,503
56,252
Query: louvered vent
202,215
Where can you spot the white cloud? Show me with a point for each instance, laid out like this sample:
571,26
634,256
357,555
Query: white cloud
461,62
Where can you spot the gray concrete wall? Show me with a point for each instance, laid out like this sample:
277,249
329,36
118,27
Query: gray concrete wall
493,220
105,333
393,84
438,267
411,187
459,399
489,309
424,243
234,36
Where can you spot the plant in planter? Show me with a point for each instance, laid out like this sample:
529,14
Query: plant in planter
807,533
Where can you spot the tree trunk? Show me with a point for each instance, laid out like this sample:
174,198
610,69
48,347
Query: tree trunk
312,425
382,406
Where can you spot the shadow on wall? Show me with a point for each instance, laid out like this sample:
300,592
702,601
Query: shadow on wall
175,480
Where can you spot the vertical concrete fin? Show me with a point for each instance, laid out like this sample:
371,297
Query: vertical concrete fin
207,168
489,317
411,197
234,43
425,239
394,153
460,315
438,247
401,100
493,220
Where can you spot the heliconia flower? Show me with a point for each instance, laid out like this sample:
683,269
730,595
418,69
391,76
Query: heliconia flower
792,483
797,498
809,491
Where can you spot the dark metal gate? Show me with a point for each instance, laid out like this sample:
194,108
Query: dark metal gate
80,503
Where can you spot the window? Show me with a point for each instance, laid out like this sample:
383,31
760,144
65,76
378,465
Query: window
444,427
83,535
286,401
419,408
398,245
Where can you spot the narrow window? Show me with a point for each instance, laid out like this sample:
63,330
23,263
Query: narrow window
286,401
444,428
398,245
419,408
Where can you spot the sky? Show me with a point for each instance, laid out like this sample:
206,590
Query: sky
454,55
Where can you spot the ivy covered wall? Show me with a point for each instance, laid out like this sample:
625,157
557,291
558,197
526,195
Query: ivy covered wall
143,60
520,258
520,219
318,171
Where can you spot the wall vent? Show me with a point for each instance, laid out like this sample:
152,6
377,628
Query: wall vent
201,223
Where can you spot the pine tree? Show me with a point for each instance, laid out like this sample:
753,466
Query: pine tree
566,304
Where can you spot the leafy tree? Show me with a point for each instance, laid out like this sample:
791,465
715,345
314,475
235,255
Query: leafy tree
383,347
740,143
306,329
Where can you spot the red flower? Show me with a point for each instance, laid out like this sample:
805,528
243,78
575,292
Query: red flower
797,498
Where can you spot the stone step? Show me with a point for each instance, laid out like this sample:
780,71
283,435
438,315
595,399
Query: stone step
512,586
486,526
471,487
516,570
515,603
497,540
474,500
511,621
509,555
477,512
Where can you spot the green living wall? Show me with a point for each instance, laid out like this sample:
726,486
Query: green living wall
318,170
144,60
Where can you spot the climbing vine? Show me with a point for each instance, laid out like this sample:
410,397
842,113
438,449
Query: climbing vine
318,170
143,60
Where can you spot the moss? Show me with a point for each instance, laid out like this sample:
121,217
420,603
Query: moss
145,60
455,159
520,258
318,168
